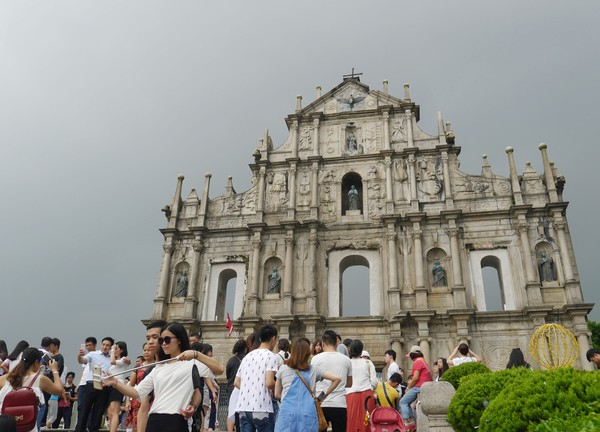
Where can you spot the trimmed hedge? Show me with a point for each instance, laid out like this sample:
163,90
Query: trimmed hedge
454,374
475,392
542,395
572,423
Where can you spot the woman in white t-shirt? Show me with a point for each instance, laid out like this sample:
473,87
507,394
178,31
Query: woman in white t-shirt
27,374
119,363
176,394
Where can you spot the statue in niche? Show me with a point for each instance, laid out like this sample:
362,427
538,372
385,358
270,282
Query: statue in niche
353,203
439,274
546,268
351,142
274,282
182,284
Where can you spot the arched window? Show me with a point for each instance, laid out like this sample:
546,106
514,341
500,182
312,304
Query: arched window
352,193
492,283
226,295
354,286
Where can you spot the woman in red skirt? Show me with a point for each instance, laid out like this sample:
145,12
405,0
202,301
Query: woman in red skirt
364,381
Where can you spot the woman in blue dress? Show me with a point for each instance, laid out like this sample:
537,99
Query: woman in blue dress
297,412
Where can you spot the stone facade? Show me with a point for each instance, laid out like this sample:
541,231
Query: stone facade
357,182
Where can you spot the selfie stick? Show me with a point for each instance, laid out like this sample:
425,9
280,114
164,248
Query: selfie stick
97,372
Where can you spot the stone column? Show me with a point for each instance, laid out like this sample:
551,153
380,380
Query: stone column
191,298
534,295
549,176
420,289
295,138
204,203
163,282
409,129
252,302
316,137
389,189
393,290
412,177
289,273
458,291
386,131
559,226
292,200
311,301
447,184
260,205
514,177
314,190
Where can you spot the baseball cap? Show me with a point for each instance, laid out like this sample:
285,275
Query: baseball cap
413,349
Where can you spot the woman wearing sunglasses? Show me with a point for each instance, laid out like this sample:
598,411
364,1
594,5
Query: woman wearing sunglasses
175,390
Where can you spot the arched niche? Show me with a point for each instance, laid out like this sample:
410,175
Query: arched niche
336,267
354,286
349,181
499,260
273,277
180,283
224,279
437,268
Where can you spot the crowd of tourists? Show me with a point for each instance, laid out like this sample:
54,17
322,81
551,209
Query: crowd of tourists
273,385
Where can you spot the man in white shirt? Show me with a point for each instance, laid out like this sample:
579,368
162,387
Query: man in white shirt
334,406
466,356
256,380
390,360
94,401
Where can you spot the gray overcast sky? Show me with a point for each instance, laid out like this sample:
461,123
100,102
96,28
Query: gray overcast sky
103,104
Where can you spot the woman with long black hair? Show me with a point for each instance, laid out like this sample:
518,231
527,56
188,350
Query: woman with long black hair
176,395
27,374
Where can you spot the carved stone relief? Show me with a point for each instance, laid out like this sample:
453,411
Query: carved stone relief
429,179
331,140
306,138
399,130
304,189
277,186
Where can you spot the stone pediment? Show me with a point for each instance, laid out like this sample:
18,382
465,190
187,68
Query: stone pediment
350,96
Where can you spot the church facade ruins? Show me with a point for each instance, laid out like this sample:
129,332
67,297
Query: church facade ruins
358,183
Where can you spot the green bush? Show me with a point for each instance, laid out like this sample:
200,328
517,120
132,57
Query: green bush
532,398
454,374
572,423
475,392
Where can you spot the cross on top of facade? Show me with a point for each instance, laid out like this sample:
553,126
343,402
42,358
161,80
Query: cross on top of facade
352,75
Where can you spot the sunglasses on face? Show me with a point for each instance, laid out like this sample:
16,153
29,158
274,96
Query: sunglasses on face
166,340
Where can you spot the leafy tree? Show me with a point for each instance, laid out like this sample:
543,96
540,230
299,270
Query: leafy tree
454,374
594,327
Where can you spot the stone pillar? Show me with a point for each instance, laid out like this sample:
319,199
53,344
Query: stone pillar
441,131
458,290
163,281
260,205
514,177
314,190
176,205
409,129
420,289
435,398
534,295
204,203
412,177
389,189
393,290
386,131
311,301
316,137
252,301
289,273
548,175
295,138
191,298
447,184
559,226
292,200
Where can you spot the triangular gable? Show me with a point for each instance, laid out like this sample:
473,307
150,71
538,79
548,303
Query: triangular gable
350,95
